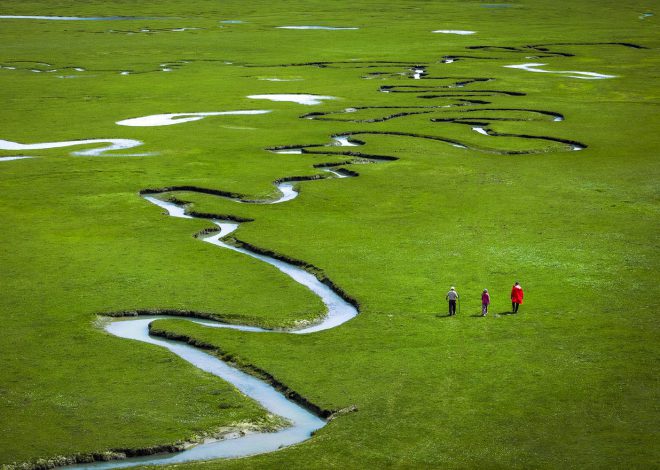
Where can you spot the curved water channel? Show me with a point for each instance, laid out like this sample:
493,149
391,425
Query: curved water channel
340,309
303,423
534,67
111,144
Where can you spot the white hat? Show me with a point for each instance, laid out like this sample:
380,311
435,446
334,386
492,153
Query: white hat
452,288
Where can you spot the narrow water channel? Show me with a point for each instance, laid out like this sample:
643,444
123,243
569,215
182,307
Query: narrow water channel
303,422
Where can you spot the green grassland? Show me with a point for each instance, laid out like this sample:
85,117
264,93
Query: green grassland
570,381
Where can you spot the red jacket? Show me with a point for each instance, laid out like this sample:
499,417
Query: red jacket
517,294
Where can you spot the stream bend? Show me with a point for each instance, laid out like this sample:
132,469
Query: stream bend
303,422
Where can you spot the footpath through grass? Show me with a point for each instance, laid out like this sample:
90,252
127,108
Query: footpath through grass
569,381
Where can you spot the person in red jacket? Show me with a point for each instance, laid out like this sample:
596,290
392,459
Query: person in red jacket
516,297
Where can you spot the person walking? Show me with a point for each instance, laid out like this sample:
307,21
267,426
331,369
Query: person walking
485,302
516,297
452,296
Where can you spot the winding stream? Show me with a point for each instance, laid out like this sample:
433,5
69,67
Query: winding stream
339,310
303,422
300,98
179,118
112,144
14,157
534,67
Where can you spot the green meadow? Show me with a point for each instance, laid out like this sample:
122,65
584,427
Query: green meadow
570,381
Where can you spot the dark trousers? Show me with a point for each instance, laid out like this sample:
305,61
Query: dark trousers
514,307
452,307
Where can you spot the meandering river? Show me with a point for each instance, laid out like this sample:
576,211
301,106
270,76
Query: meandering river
303,422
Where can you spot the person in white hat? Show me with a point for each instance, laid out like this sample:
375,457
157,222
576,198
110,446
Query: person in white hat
452,296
